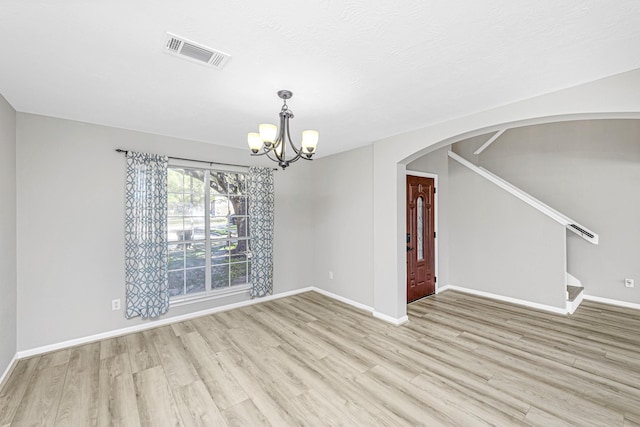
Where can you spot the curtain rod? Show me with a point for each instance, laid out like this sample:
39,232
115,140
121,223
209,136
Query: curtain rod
119,150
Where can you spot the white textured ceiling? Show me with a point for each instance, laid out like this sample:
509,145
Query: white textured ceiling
359,70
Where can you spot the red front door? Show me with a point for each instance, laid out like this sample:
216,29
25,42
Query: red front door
421,280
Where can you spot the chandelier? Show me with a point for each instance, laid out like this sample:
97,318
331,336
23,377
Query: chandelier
272,141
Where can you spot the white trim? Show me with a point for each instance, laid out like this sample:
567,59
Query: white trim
154,324
442,289
181,318
10,367
422,174
572,280
489,142
211,295
364,307
395,321
435,217
573,305
619,303
344,300
530,304
389,319
527,198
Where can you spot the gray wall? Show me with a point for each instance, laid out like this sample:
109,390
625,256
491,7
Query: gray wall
8,283
70,186
343,224
490,251
437,163
588,170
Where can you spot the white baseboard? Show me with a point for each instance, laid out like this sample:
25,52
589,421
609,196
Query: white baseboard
389,319
343,299
7,371
442,289
572,306
613,302
361,306
162,322
530,304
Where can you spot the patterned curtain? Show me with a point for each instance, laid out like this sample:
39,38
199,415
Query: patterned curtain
261,233
146,235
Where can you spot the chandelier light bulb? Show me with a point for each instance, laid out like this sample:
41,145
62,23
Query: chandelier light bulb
255,142
268,133
310,140
272,141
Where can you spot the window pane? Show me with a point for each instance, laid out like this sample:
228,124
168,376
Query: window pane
219,227
193,225
178,231
241,226
175,180
198,226
175,203
175,219
195,256
219,252
420,224
195,280
176,257
238,250
194,181
225,227
218,183
220,276
236,183
176,283
174,228
219,206
239,273
238,205
232,227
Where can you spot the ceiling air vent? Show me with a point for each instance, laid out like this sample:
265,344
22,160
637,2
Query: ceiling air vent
195,52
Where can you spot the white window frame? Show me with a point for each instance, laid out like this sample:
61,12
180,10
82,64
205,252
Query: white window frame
210,293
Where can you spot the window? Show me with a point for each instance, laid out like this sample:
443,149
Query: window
420,231
208,230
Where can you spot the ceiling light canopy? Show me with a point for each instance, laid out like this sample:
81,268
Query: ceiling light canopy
272,141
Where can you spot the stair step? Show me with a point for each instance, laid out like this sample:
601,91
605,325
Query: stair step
573,292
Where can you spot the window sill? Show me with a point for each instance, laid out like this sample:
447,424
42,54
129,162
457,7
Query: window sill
218,293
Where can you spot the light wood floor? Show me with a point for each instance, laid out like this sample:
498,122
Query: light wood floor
310,360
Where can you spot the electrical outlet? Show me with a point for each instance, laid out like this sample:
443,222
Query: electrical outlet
629,283
115,304
331,275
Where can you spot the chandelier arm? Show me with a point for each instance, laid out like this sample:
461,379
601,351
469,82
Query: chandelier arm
277,150
281,156
295,159
259,154
264,151
267,153
298,152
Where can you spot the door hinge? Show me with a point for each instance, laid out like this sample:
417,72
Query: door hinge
435,279
434,234
434,190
